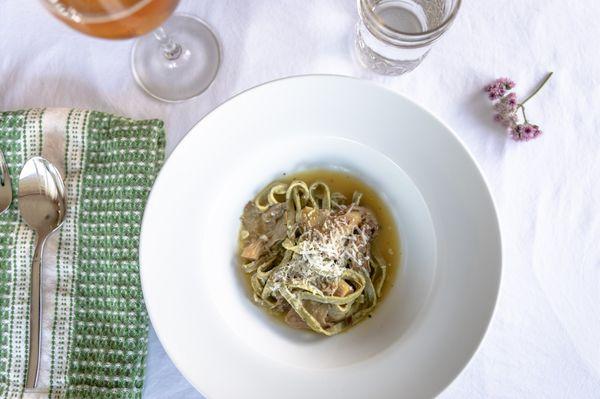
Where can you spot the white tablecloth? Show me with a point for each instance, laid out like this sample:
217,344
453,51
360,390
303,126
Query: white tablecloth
544,340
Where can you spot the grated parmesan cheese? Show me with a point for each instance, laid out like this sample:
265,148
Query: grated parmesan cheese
321,255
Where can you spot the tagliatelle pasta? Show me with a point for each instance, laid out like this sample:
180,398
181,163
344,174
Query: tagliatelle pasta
309,254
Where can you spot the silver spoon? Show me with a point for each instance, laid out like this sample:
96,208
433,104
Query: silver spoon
43,206
5,186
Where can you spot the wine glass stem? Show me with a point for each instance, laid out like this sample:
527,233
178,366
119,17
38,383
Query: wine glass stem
171,50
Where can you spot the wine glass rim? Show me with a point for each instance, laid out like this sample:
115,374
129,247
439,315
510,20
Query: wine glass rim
89,17
389,29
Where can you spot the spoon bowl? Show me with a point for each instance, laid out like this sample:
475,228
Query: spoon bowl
42,199
43,206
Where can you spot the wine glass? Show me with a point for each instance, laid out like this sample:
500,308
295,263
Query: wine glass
173,62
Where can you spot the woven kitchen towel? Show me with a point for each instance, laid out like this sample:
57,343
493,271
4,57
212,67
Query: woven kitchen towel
94,327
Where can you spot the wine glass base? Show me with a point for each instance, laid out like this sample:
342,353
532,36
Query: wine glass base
187,76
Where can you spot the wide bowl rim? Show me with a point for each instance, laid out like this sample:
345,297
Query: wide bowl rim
495,220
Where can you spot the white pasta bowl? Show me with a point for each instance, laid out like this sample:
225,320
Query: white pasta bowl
434,316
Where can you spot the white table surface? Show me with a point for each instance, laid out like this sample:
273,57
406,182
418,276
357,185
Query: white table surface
544,340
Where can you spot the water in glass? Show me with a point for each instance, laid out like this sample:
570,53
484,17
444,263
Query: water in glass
393,36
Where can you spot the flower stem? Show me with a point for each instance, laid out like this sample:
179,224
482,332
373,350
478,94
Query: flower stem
523,112
535,92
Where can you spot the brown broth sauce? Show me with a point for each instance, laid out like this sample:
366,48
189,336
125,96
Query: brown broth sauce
386,243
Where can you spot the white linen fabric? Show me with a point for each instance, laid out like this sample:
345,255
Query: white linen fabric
543,339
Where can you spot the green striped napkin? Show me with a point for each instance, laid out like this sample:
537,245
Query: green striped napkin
94,329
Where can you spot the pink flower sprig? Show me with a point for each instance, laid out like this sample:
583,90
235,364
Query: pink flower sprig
507,107
497,88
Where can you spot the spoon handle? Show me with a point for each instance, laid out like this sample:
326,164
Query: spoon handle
35,315
5,186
